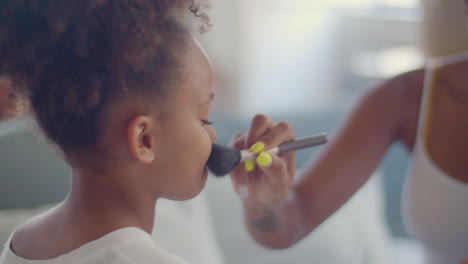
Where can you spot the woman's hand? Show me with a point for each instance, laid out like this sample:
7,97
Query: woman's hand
266,181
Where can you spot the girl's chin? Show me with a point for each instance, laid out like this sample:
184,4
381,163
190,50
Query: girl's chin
195,188
198,186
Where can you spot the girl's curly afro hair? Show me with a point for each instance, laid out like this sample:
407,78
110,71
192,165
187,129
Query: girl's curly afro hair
66,59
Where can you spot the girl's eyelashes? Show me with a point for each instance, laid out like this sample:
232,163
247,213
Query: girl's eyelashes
206,122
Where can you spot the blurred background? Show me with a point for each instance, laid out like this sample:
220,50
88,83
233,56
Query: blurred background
307,55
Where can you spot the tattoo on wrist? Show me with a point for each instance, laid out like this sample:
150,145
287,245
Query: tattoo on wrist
267,222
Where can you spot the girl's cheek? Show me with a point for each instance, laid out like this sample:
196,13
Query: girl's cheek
212,134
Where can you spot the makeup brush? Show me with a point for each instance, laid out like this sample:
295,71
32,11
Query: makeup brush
224,159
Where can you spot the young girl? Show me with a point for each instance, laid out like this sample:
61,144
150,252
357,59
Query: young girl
123,90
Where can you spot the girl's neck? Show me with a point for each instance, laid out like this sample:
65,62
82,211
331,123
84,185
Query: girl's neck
105,203
96,205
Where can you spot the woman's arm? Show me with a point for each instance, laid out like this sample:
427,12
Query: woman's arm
341,168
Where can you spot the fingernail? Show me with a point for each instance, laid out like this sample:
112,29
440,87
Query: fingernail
243,191
257,147
264,159
249,165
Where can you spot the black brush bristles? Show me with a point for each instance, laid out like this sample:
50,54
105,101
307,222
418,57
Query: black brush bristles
223,160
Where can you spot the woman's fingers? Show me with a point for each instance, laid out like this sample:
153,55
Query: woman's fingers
277,177
259,126
276,135
238,141
266,180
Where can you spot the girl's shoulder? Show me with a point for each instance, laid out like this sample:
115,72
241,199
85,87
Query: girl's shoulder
29,237
129,245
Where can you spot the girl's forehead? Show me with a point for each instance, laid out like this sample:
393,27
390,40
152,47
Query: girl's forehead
197,52
197,64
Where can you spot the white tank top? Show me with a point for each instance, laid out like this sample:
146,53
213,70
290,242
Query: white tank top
435,205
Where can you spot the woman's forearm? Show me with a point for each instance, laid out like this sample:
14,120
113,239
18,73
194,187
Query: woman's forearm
279,227
340,169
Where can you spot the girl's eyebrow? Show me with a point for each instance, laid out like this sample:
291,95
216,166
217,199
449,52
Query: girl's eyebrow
211,97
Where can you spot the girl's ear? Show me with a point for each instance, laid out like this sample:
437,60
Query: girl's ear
140,139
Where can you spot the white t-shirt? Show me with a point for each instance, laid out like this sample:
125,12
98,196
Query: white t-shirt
128,245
